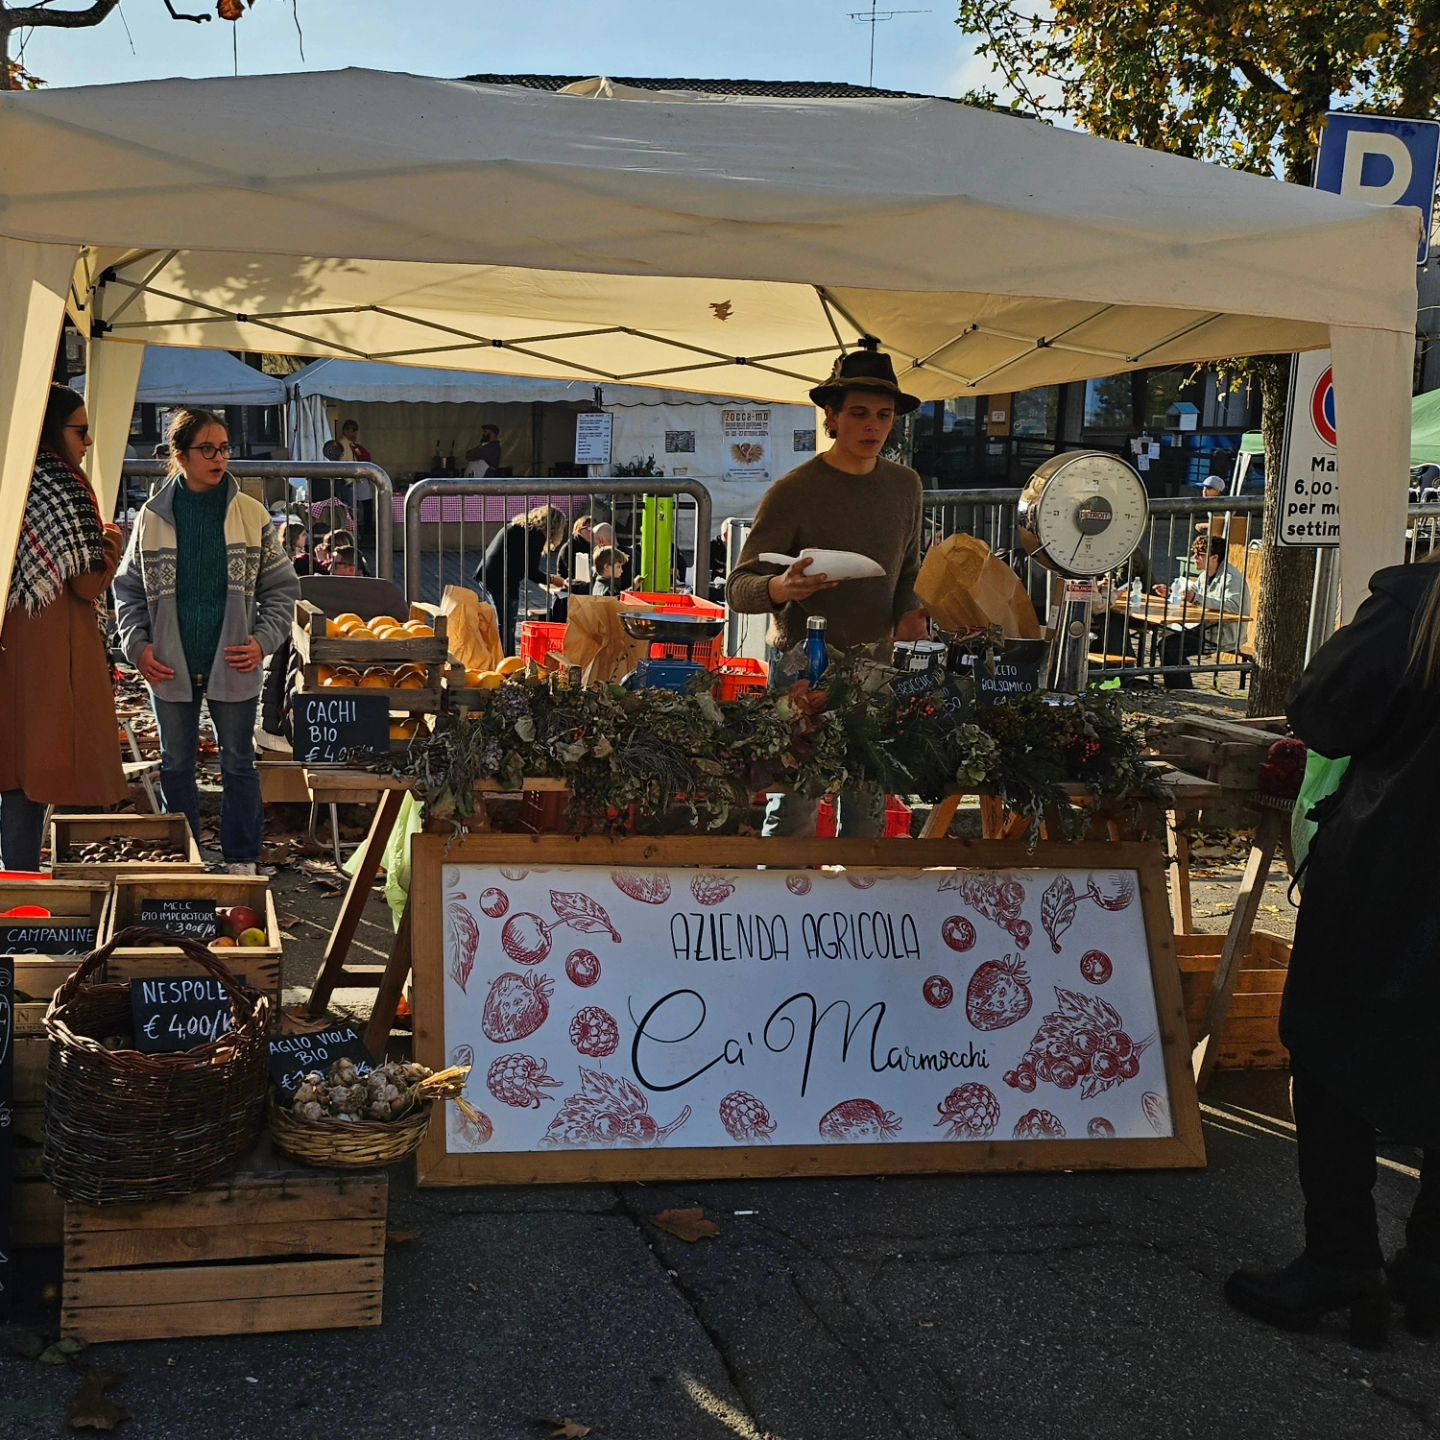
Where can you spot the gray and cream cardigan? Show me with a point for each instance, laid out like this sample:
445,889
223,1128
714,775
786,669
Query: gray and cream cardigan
261,592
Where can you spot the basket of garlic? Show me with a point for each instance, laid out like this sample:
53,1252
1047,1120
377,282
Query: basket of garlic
357,1120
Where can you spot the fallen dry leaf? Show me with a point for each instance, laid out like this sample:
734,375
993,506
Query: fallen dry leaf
92,1408
566,1429
689,1225
395,1238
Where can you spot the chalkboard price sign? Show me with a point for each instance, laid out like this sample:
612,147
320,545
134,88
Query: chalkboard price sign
179,1013
340,727
292,1057
195,918
47,937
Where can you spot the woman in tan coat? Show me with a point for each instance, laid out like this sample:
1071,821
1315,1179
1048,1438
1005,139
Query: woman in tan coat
59,738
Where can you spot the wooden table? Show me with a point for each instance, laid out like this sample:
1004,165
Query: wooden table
1155,616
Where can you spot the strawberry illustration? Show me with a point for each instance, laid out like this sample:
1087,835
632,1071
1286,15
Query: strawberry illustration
711,889
1038,1125
998,994
515,1079
798,884
608,1110
859,1120
650,888
583,968
746,1118
593,1032
494,902
462,940
971,1111
516,1006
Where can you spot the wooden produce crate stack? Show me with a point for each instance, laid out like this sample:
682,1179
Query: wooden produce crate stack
168,836
259,965
406,668
36,1210
1227,752
273,1247
1251,1037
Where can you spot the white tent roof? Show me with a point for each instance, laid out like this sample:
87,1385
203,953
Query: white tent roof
171,376
362,381
723,245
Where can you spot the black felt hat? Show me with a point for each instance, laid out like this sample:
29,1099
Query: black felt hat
863,369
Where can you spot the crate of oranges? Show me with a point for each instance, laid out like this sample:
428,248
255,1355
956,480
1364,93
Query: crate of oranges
466,689
404,659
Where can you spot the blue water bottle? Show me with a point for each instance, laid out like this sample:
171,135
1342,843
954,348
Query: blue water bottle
817,653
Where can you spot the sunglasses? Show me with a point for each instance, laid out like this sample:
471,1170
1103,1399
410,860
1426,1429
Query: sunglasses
82,430
211,451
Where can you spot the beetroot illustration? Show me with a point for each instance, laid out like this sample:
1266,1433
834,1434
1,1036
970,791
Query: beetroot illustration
998,994
593,1032
745,1118
516,1006
648,887
859,1120
518,1080
971,1111
583,968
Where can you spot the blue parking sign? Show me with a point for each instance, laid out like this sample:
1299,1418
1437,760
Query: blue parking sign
1382,161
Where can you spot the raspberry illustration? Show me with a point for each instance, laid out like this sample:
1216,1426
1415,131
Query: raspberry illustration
516,1006
594,1032
958,933
859,1120
515,1079
1100,1129
938,991
494,902
1038,1125
798,884
998,994
971,1111
583,968
1095,967
746,1118
711,889
647,887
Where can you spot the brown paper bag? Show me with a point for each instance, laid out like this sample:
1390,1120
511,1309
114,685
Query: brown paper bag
473,631
596,641
965,587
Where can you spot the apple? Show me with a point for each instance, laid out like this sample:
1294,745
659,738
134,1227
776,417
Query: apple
253,936
220,940
240,918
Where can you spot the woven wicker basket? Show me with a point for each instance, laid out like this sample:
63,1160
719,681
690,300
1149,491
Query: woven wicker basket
363,1144
122,1127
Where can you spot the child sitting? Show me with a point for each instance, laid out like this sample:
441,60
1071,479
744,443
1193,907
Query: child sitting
607,571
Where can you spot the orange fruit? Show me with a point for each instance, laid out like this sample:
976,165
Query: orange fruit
345,621
409,682
423,671
340,682
324,674
419,630
361,632
334,629
405,728
376,621
376,678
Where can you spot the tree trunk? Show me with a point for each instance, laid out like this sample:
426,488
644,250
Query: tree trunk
5,32
1282,612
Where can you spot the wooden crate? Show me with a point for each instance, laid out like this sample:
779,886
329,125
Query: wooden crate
84,902
315,647
36,1211
259,964
1251,1038
273,1247
172,832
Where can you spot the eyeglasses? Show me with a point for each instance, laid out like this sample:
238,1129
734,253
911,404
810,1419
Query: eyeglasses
211,451
82,430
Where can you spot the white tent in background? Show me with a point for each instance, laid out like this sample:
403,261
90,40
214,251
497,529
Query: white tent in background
211,378
726,245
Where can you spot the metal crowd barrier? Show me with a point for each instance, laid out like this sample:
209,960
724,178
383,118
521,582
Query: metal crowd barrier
370,522
471,513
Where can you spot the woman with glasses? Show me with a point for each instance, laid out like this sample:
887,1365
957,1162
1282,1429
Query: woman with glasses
59,738
205,592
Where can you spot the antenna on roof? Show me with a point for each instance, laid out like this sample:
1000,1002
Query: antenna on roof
872,18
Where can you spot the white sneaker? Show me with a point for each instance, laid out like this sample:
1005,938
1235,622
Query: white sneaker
237,867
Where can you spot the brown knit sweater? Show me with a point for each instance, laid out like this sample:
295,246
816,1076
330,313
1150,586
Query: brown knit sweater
877,514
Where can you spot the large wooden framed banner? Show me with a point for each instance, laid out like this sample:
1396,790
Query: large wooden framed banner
667,1009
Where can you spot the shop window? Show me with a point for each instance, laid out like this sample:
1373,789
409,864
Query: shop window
1035,412
1110,403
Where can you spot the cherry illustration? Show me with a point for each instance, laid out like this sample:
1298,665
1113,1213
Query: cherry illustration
1096,967
494,902
958,933
583,968
938,991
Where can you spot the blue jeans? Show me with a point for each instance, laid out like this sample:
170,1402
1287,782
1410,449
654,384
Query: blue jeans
242,812
22,829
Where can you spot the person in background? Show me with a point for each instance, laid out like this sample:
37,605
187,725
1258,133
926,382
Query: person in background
1363,986
579,543
363,504
1218,589
523,550
297,547
350,443
59,736
607,568
344,561
481,459
847,498
204,593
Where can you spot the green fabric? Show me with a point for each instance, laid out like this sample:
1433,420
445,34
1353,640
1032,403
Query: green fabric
396,860
201,572
1322,778
1424,432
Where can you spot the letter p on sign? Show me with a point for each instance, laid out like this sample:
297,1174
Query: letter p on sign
1381,161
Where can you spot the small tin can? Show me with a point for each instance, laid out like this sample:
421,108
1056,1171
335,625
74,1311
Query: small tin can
915,657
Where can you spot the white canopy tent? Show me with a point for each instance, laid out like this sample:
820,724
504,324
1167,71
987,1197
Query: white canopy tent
173,376
727,245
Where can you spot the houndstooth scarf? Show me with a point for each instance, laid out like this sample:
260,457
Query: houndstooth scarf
60,536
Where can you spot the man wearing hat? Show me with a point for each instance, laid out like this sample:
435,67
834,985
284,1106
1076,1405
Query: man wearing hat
846,498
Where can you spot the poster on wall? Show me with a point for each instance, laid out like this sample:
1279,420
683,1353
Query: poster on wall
594,433
640,1017
746,436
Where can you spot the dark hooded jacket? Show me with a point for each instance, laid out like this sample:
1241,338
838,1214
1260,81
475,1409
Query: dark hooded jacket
1361,1013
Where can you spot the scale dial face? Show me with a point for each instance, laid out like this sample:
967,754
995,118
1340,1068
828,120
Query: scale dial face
1083,513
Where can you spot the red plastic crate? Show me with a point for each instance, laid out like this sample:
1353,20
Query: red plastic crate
538,638
738,674
686,604
897,818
